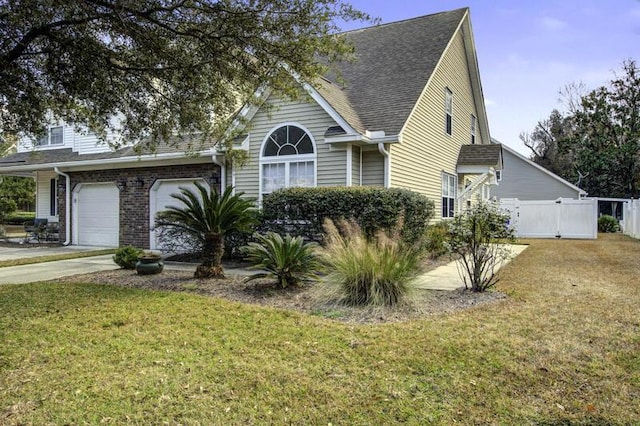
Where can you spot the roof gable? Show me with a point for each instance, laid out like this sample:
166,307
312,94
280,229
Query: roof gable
393,63
525,160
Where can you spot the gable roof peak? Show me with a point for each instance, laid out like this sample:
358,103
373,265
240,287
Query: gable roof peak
392,64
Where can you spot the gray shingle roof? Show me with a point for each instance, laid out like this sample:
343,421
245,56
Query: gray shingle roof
393,64
55,156
481,155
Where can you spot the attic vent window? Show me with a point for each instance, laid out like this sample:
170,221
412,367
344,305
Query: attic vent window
288,159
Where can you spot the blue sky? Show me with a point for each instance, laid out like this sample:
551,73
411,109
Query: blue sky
528,51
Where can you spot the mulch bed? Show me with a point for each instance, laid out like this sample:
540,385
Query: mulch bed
310,299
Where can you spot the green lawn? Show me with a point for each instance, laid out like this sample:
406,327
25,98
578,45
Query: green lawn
563,349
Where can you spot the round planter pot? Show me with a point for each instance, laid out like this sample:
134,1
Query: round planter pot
149,265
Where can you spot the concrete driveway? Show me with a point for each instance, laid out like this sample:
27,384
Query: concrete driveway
26,251
50,270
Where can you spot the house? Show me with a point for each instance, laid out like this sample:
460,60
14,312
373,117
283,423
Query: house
525,180
405,108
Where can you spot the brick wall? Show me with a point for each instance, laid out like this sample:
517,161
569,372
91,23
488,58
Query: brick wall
134,200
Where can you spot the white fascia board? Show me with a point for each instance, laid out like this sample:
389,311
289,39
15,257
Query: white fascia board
247,112
328,108
542,169
473,170
362,139
474,76
121,161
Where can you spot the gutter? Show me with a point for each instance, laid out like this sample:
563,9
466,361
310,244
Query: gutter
102,161
387,164
67,211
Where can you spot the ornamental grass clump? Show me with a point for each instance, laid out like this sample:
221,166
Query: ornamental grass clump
369,271
289,259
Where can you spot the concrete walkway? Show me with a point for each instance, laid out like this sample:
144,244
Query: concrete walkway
442,278
446,277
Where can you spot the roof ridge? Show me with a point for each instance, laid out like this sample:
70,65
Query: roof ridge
386,24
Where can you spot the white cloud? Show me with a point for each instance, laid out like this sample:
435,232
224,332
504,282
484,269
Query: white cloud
552,24
489,102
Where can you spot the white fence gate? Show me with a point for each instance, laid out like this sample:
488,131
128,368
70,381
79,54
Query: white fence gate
631,215
561,218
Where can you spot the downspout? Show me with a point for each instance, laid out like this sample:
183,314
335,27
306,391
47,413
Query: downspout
223,173
387,165
67,208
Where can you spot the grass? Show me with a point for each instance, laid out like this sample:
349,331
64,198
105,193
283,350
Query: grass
54,257
563,349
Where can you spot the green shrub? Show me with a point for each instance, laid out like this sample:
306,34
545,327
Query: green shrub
436,239
608,223
127,257
288,259
302,211
477,236
369,271
20,217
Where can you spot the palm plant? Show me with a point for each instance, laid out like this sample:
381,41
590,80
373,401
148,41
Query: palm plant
208,216
289,259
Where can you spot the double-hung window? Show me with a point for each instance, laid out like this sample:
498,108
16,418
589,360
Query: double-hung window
449,184
474,123
448,106
54,136
288,159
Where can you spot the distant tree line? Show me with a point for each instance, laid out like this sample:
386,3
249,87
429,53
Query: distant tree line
596,144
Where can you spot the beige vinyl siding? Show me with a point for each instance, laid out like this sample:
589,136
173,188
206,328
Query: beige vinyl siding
426,149
526,182
355,166
43,195
330,165
372,168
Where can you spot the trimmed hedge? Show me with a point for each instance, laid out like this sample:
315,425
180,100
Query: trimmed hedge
301,211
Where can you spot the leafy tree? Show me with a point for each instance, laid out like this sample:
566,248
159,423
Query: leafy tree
207,217
162,67
544,142
21,190
597,143
606,141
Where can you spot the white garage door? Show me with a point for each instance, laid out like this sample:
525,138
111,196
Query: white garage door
98,215
160,198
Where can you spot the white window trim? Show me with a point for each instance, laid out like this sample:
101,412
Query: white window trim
49,144
455,195
286,159
499,175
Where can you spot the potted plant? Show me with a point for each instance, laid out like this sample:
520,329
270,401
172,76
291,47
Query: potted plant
149,263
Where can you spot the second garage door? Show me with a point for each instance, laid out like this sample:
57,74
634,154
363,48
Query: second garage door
160,199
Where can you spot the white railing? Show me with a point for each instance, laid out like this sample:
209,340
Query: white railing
631,214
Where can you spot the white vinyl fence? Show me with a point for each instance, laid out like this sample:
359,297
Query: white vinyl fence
631,214
561,218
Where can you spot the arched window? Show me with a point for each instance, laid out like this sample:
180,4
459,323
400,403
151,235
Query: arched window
287,159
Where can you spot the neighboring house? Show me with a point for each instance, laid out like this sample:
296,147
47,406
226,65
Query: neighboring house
525,180
408,104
